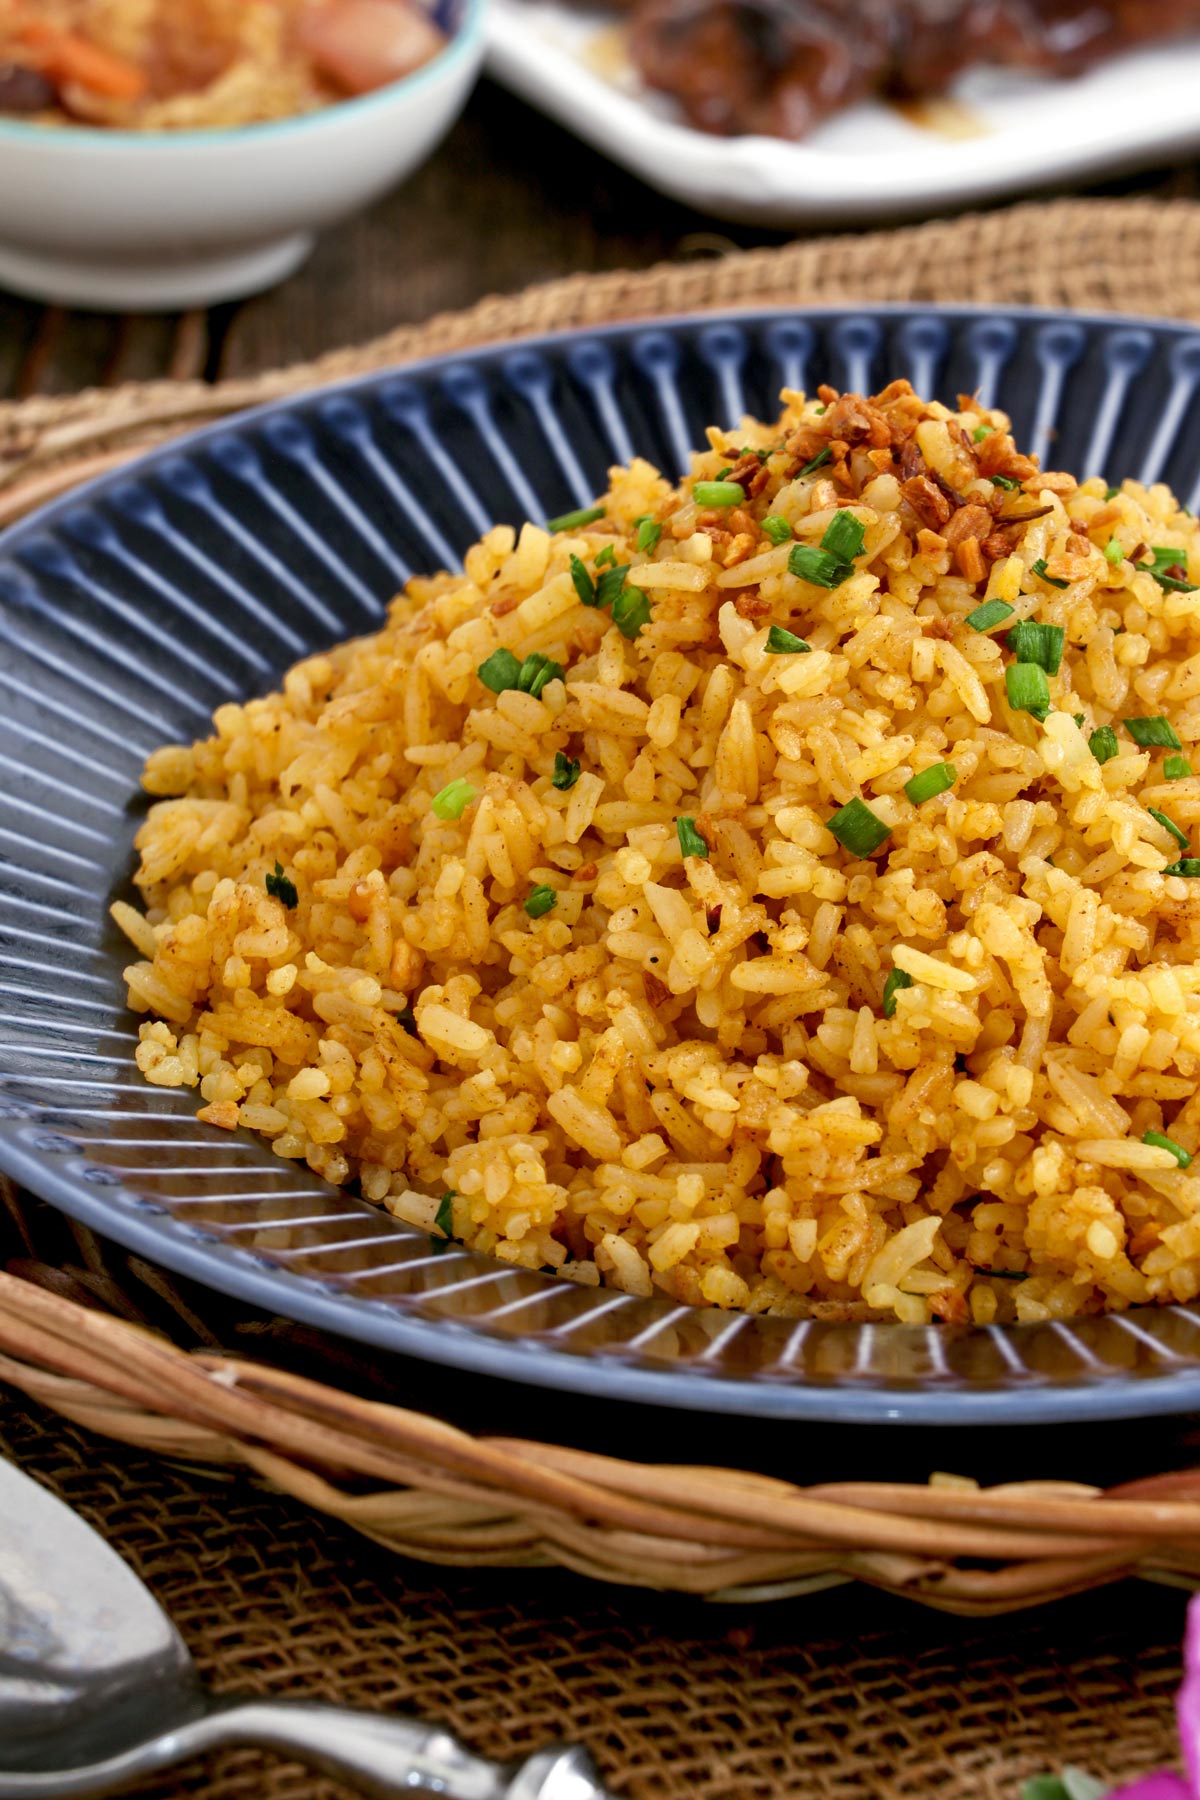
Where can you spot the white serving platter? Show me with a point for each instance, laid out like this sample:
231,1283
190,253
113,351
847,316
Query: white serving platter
998,132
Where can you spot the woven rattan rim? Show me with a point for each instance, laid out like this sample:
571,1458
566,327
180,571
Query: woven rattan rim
421,1486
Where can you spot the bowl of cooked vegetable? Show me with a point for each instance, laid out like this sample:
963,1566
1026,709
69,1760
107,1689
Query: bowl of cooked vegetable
157,154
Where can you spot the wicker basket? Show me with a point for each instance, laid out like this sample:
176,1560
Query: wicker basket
98,1336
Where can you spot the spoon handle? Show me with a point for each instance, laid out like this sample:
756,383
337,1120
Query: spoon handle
378,1754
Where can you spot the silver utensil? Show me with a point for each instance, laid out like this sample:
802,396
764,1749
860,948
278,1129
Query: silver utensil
97,1689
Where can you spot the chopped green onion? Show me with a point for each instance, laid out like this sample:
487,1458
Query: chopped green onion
722,473
762,455
857,829
541,900
1181,837
1176,768
1039,569
1028,689
930,782
777,529
1103,743
566,772
1032,642
454,799
444,1217
1158,1142
718,493
818,461
585,587
844,537
1032,1789
1003,481
1166,556
989,614
536,672
785,643
648,533
690,841
606,557
1113,552
980,432
896,980
817,566
610,584
630,611
281,887
1187,866
500,671
1155,733
572,521
1111,493
1079,718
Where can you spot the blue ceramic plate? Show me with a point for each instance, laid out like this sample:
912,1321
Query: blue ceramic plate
131,610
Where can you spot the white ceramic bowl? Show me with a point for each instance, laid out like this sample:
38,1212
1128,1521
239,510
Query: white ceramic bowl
141,221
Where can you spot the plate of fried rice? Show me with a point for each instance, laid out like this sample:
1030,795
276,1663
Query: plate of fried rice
663,862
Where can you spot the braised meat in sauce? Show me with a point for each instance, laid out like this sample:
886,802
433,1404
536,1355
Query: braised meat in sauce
781,66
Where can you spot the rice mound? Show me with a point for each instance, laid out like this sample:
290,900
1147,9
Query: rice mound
693,1073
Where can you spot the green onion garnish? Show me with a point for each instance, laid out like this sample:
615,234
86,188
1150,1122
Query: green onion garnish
566,772
1032,642
606,557
989,614
1187,866
1113,552
648,533
690,841
719,493
1181,837
818,461
1103,743
1166,557
1039,569
585,587
1155,733
572,521
630,611
817,566
500,671
281,887
454,799
1159,1142
785,643
536,672
777,529
444,1217
1079,718
934,780
1111,493
844,537
541,900
857,829
1003,481
980,432
1028,689
896,980
1176,768
610,584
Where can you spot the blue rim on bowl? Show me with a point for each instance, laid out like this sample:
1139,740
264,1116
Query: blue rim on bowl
133,607
464,36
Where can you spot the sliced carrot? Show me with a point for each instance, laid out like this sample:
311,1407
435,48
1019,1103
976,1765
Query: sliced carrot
65,56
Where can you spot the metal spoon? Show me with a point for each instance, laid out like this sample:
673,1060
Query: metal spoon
97,1689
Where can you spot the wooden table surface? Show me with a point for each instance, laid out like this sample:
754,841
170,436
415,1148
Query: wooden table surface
509,199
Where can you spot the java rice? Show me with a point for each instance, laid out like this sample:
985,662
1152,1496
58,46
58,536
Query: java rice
786,918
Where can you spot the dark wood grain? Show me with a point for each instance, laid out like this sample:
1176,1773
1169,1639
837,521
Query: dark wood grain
508,199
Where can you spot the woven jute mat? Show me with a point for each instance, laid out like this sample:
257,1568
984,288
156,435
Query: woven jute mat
840,1694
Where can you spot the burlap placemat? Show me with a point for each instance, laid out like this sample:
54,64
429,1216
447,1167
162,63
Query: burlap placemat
1136,256
836,1695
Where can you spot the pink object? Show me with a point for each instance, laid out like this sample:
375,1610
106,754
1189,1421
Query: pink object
360,45
1164,1784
